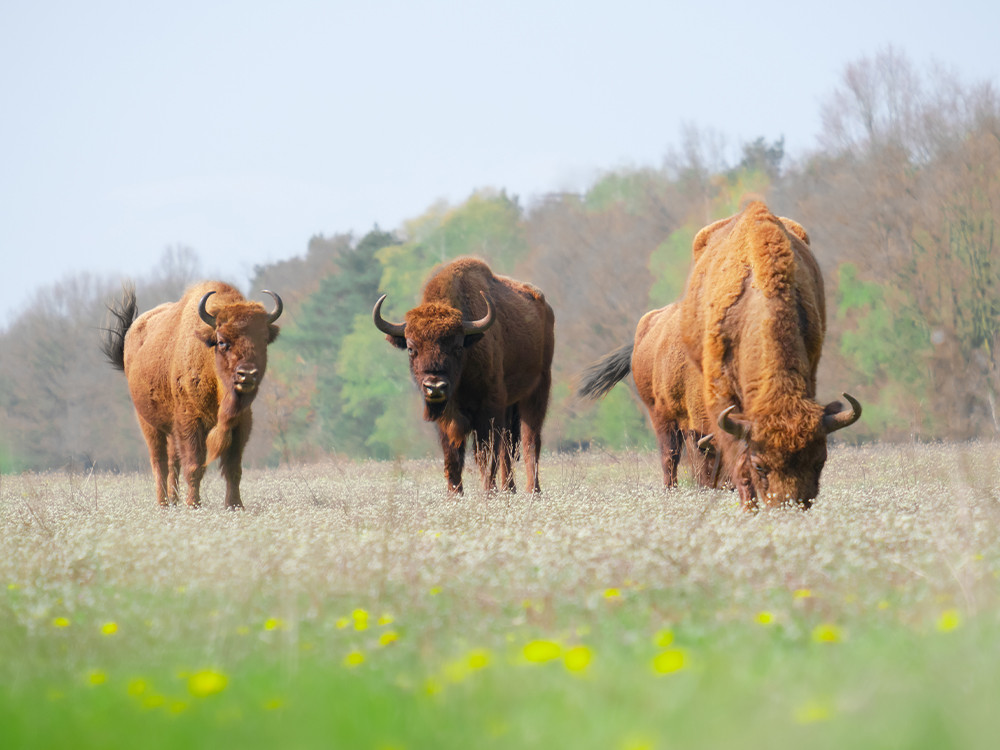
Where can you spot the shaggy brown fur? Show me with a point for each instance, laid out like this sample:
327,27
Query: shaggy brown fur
669,385
754,318
495,384
192,385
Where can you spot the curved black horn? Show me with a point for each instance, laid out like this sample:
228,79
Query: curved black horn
738,428
843,418
278,305
203,313
390,329
470,327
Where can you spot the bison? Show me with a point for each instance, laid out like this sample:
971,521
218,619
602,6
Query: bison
753,318
480,349
670,388
193,368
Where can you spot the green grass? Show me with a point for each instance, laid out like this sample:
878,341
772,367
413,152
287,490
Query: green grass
355,605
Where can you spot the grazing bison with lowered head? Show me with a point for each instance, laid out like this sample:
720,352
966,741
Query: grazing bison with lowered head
753,318
669,385
480,349
193,368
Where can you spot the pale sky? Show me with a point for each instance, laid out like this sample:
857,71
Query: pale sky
243,128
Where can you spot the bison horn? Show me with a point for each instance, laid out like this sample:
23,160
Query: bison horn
843,418
706,441
278,306
738,428
470,327
390,329
203,313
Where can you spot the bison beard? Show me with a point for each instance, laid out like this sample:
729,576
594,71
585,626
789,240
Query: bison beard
480,348
193,375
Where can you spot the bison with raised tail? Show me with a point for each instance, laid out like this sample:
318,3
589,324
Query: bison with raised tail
193,368
753,318
670,388
480,349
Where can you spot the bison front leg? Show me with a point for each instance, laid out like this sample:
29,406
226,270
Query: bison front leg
453,447
173,470
231,461
157,443
191,447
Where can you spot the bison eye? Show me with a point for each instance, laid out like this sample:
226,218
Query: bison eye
760,468
411,351
223,345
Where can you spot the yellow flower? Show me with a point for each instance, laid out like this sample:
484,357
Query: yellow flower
389,636
577,658
386,619
663,638
827,633
478,659
811,712
15,587
109,628
883,604
671,660
360,618
354,659
207,682
273,623
138,686
60,622
765,618
612,593
542,651
342,622
435,590
949,620
96,677
802,593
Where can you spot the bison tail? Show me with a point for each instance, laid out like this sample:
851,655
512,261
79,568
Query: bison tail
122,315
601,376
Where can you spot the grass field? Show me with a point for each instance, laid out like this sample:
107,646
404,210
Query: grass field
355,605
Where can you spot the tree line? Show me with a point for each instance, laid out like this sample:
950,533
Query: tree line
901,199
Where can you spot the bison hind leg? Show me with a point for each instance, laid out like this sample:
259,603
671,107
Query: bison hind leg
668,437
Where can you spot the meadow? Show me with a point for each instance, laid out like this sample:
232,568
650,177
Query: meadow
356,605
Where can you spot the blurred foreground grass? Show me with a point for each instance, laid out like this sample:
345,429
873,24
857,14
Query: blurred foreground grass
356,605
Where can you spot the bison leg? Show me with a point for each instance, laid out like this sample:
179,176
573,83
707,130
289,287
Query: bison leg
156,441
510,444
668,437
191,447
173,470
704,461
532,414
231,461
453,447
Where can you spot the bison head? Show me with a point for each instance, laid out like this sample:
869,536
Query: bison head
240,334
775,467
436,337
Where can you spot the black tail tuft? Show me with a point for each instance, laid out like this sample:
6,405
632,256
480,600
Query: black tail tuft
601,376
122,316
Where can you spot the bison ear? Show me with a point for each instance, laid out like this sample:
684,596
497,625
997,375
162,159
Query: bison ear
471,339
207,337
397,341
272,332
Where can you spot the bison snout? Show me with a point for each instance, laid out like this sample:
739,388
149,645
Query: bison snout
246,378
435,390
